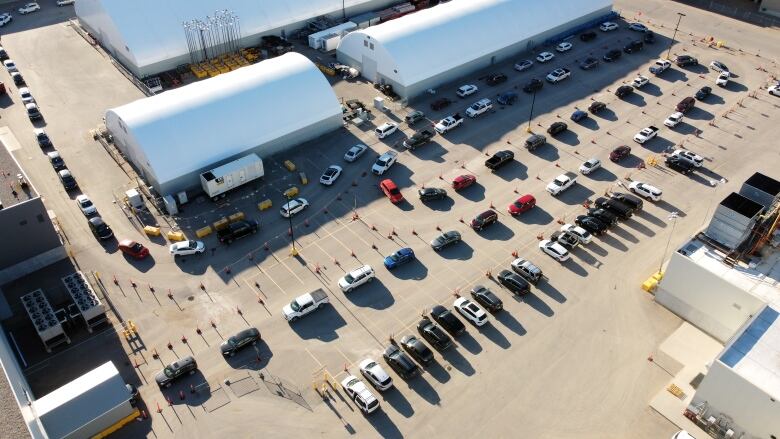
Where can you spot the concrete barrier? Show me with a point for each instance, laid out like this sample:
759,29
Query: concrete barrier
220,223
152,231
175,236
238,216
304,180
200,233
265,204
293,191
289,165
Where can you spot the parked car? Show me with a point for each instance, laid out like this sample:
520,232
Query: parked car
330,175
514,282
603,215
466,90
608,26
186,248
703,93
558,75
589,166
583,235
237,230
554,250
18,78
674,119
355,152
440,103
431,194
391,191
563,47
447,320
399,257
565,239
5,18
174,371
633,46
29,8
588,36
527,270
463,181
620,153
56,161
417,349
484,219
589,63
579,115
596,106
25,95
67,180
524,64
723,79
686,60
445,240
639,81
133,249
400,362
507,98
470,311
639,27
384,162
557,128
487,298
86,205
293,207
375,375
632,201
495,79
414,117
42,138
689,156
358,392
534,141
645,190
623,210
591,224
10,65
241,340
357,277
100,229
718,66
386,129
33,112
65,2
612,55
686,104
522,205
433,334
624,90
533,85
649,37
545,56
682,166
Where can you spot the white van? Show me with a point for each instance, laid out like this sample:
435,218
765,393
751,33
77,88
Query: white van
385,129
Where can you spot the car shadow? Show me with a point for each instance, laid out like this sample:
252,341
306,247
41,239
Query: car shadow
433,152
252,357
492,333
497,232
415,270
684,128
623,233
658,145
537,215
568,137
552,292
639,227
511,323
645,215
651,89
699,69
372,295
594,247
536,303
697,113
320,325
458,361
142,265
398,402
601,174
672,75
384,426
575,195
714,99
665,205
607,114
461,251
612,242
469,343
515,170
589,123
635,99
586,258
438,372
575,268
196,378
443,205
424,389
735,87
475,192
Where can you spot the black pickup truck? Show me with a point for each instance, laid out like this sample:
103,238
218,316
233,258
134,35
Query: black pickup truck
499,159
236,230
419,138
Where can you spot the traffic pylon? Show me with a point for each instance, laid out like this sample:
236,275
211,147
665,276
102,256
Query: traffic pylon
151,288
170,294
183,339
155,355
238,310
514,253
213,325
202,287
116,282
159,410
438,228
265,246
170,345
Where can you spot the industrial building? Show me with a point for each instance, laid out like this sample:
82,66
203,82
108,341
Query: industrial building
424,50
265,108
149,37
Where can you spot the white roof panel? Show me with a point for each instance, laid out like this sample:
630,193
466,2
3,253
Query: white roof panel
191,128
755,353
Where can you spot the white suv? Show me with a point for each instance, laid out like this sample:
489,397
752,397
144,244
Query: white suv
358,392
479,107
645,190
356,278
471,311
386,129
384,162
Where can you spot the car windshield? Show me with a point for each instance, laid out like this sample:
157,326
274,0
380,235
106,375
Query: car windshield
294,305
394,257
381,162
348,278
192,245
394,191
168,371
86,203
136,247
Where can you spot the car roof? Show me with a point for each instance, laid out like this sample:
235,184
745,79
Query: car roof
526,198
96,221
388,183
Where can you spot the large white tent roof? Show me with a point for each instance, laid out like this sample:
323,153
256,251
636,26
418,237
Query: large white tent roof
152,29
195,126
438,39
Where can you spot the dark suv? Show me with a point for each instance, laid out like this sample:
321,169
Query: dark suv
533,85
487,298
633,46
624,90
400,362
496,79
236,230
620,209
630,200
176,370
686,60
686,104
484,219
535,141
100,229
447,320
247,337
514,282
587,36
434,334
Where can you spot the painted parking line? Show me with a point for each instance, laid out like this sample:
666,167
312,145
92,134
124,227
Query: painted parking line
313,357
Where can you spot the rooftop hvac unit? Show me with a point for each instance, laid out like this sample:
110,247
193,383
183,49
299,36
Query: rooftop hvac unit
87,302
43,319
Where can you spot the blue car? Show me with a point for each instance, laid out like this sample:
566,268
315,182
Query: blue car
578,115
400,257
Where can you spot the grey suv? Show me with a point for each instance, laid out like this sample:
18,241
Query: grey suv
176,370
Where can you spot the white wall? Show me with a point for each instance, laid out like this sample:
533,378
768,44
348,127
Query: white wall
751,409
704,299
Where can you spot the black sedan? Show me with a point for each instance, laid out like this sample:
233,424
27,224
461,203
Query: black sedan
486,298
447,320
679,165
533,85
514,282
703,92
496,79
556,128
589,63
587,36
603,215
612,55
432,193
434,334
445,239
247,337
596,106
417,349
591,224
400,362
624,90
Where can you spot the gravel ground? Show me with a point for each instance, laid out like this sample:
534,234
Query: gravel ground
11,423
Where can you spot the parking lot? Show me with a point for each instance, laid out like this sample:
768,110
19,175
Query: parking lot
567,360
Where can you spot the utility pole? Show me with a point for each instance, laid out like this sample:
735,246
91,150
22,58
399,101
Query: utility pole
673,218
679,18
531,116
293,251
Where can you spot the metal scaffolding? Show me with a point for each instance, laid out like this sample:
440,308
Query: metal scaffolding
213,36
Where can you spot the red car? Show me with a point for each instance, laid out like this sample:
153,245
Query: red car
620,152
391,190
522,204
463,181
134,249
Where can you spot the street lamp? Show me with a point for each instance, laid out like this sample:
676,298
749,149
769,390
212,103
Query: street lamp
673,218
293,251
681,15
531,115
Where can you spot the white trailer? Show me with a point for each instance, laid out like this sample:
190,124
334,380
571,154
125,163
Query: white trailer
218,181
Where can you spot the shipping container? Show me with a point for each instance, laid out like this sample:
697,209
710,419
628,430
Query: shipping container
218,181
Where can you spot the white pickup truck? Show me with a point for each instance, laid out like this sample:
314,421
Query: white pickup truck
305,304
660,66
646,134
448,123
561,183
479,107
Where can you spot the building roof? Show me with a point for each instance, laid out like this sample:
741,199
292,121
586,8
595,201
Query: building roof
755,352
764,183
10,191
152,30
742,205
193,127
455,33
80,401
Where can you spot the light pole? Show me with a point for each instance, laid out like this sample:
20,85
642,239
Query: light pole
531,116
681,15
293,251
673,218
